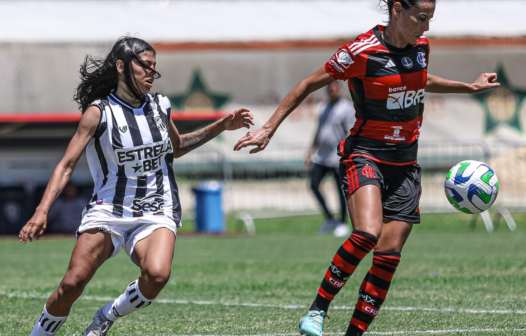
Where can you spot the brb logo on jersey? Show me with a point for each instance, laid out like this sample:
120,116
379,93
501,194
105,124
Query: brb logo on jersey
151,203
399,98
141,160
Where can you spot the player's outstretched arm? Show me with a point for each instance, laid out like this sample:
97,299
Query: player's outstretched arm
36,226
485,82
187,142
261,137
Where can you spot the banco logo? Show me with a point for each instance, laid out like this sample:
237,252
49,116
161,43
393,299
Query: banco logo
153,202
398,89
405,99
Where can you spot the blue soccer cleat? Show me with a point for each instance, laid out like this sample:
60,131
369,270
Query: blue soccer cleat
312,323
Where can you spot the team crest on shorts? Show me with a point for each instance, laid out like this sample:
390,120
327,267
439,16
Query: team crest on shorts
159,122
369,172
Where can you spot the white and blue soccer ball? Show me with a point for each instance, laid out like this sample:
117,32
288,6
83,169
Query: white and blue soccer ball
471,186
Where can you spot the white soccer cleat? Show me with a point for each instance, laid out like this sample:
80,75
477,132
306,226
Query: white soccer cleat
312,323
99,326
342,230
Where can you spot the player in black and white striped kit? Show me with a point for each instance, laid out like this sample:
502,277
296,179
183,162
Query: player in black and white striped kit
130,142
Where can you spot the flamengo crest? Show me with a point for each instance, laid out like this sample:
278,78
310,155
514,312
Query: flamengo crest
369,172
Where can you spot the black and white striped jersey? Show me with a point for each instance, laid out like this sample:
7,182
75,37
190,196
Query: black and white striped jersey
130,158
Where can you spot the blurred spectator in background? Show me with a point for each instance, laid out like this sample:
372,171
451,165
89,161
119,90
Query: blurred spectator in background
66,213
335,120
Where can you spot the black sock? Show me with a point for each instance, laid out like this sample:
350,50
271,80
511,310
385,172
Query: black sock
320,303
353,331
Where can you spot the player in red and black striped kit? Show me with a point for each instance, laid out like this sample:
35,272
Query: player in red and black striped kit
386,71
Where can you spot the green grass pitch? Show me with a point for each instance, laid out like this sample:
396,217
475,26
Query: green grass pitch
451,280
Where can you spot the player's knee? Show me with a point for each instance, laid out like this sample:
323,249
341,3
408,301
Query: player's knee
157,276
71,287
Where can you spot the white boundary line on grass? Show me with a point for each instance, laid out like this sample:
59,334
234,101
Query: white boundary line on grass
29,295
403,332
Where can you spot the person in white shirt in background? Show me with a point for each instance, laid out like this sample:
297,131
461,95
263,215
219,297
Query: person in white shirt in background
336,118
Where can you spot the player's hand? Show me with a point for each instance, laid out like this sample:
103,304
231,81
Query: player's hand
308,162
259,138
485,82
238,119
34,228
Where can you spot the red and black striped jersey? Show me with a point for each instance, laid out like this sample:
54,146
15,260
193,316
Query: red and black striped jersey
387,85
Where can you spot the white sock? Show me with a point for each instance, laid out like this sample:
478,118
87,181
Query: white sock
47,324
127,303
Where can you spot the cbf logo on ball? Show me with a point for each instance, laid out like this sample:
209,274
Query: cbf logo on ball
471,186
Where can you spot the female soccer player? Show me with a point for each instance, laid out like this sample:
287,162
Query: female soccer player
386,70
131,142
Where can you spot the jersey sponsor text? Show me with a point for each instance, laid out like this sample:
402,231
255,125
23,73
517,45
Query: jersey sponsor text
141,160
405,99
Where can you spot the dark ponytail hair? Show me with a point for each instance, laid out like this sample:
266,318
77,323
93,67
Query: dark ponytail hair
406,4
99,77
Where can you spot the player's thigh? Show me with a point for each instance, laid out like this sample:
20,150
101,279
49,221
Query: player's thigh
362,183
401,198
394,235
365,209
154,253
91,250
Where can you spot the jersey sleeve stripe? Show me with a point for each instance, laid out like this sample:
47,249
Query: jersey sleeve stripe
366,47
357,45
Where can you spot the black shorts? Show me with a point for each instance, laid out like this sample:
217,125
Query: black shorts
399,185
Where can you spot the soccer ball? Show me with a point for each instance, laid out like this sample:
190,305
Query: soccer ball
471,186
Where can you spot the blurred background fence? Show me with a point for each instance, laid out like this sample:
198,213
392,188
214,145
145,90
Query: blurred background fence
276,182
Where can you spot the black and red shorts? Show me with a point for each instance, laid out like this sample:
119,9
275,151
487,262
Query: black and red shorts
399,185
